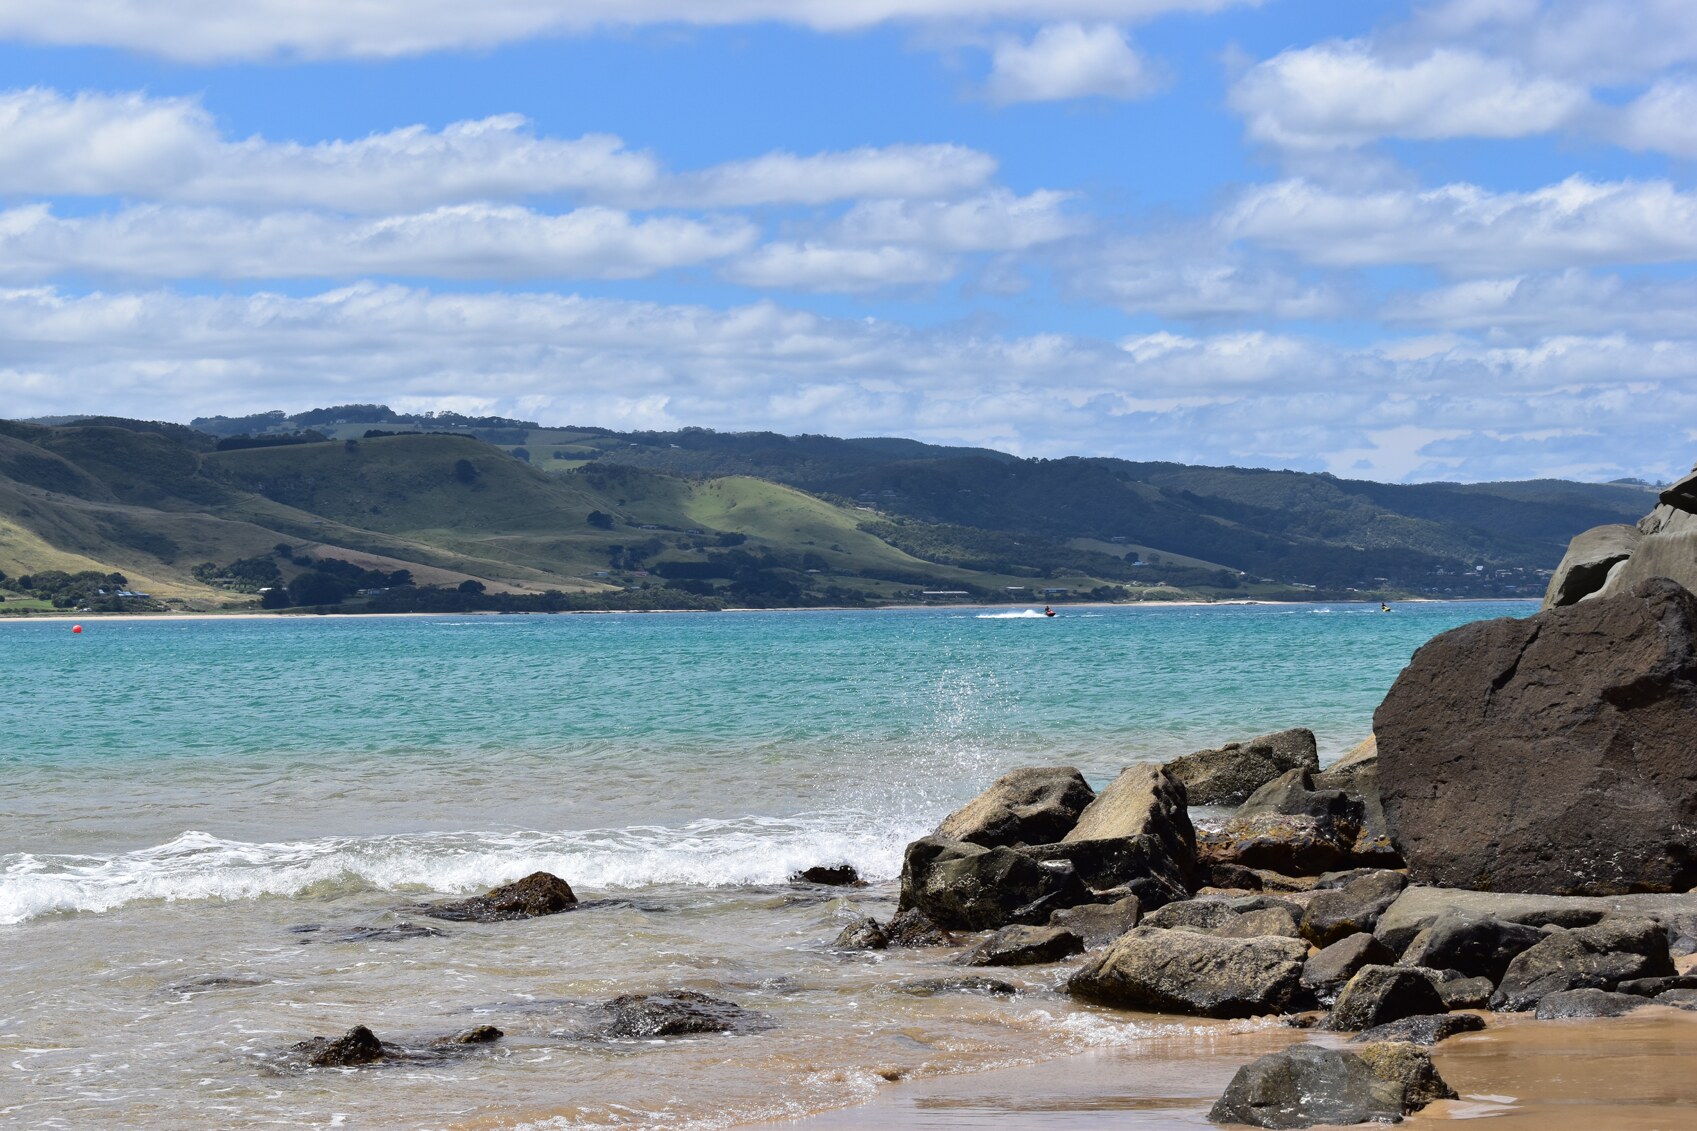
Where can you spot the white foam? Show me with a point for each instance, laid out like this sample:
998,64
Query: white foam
1028,614
197,865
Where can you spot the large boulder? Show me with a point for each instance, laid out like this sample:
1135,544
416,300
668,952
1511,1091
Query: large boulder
1329,969
1099,923
1034,805
1585,566
970,887
1551,754
1144,800
1107,870
1599,957
1306,1085
1337,913
1287,844
1478,946
1378,995
1229,774
1184,972
1420,907
1568,1004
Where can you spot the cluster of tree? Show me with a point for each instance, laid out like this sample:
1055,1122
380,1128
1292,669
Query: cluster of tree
279,440
87,589
277,420
330,581
244,575
471,597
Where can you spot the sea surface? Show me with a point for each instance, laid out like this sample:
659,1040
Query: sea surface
198,818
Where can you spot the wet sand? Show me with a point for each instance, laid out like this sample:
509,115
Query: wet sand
1633,1073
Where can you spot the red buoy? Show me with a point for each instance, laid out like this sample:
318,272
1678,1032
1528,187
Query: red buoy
76,628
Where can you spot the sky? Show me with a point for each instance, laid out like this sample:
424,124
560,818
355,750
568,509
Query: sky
1404,241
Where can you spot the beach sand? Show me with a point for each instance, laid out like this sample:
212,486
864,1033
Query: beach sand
1632,1073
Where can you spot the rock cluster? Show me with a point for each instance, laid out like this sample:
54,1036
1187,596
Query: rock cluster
1611,561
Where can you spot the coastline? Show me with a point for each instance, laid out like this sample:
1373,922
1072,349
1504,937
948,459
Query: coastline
23,618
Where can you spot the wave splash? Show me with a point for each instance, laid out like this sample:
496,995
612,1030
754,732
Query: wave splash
198,865
1028,614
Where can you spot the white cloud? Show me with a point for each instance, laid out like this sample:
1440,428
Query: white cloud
1188,274
472,241
1249,399
1589,41
993,221
1663,118
128,144
1563,302
1465,229
809,266
1068,60
210,30
1343,95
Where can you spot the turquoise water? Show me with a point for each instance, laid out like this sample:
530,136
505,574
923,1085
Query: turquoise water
179,797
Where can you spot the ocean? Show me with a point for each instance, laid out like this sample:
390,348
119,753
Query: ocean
201,820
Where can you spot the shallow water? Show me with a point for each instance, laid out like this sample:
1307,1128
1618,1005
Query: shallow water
179,797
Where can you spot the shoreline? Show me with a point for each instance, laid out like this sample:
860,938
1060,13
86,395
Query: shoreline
37,616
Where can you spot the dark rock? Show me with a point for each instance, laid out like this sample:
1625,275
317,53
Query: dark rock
1263,921
396,932
1598,957
1024,946
1332,881
1408,1067
1098,923
1143,801
1184,972
357,1046
1425,1029
1650,987
1467,993
1192,914
1340,912
1305,1085
1377,995
1244,904
1138,865
1420,907
476,1035
1679,999
1587,1003
1476,946
1034,805
538,894
1232,876
1293,845
1326,972
1550,754
1292,794
927,987
914,928
829,875
864,933
967,886
1586,564
673,1014
188,987
1228,775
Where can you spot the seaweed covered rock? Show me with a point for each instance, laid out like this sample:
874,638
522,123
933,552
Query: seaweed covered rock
1229,774
1033,805
676,1013
1184,972
1551,754
357,1046
538,894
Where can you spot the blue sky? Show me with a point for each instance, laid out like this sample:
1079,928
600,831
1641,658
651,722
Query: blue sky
1442,240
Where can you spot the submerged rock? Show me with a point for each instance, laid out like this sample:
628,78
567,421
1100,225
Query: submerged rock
914,928
829,875
538,894
395,932
1228,775
1552,754
864,933
676,1013
1034,805
357,1046
1183,972
926,987
1024,946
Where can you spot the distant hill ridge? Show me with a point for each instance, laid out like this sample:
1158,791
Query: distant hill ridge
754,518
